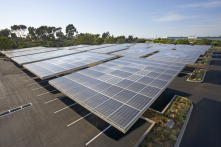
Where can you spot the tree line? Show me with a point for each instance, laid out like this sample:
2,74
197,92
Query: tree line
21,36
203,41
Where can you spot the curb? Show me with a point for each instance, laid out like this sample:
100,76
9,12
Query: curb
147,131
184,125
196,81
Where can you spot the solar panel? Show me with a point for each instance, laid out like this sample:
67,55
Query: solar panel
110,49
73,47
22,50
66,64
135,52
119,100
182,54
30,52
42,56
92,47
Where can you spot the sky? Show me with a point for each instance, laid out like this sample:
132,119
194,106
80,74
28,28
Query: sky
140,18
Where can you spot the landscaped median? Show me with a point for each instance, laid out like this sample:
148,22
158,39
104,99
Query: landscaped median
203,62
208,55
170,126
197,75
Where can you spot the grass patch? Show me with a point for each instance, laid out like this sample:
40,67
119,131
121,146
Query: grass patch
197,75
160,135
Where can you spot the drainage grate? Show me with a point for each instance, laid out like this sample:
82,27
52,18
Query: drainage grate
15,109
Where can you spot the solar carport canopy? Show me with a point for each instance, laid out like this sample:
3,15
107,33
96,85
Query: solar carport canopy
22,50
53,67
29,52
73,47
43,56
92,47
135,52
185,55
110,49
119,91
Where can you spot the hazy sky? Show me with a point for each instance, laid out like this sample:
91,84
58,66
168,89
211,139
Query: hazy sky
141,18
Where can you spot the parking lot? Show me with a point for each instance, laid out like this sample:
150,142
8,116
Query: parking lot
56,120
53,119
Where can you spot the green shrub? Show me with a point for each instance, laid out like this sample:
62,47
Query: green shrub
172,137
164,119
150,139
159,123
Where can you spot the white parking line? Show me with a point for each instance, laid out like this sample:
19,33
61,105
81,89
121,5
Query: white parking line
41,87
46,92
98,135
54,99
37,82
78,119
65,108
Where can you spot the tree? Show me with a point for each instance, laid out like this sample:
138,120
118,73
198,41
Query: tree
5,32
182,41
15,29
120,40
23,29
130,39
70,30
5,43
99,41
110,40
32,33
135,38
60,34
214,43
204,41
140,40
105,35
50,43
195,42
88,39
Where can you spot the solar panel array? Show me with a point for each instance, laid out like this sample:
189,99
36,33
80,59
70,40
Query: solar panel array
126,44
140,45
42,56
57,66
73,47
135,52
186,57
30,52
119,91
110,49
92,47
106,45
22,50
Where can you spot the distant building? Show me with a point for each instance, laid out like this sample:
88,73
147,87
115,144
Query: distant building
174,38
